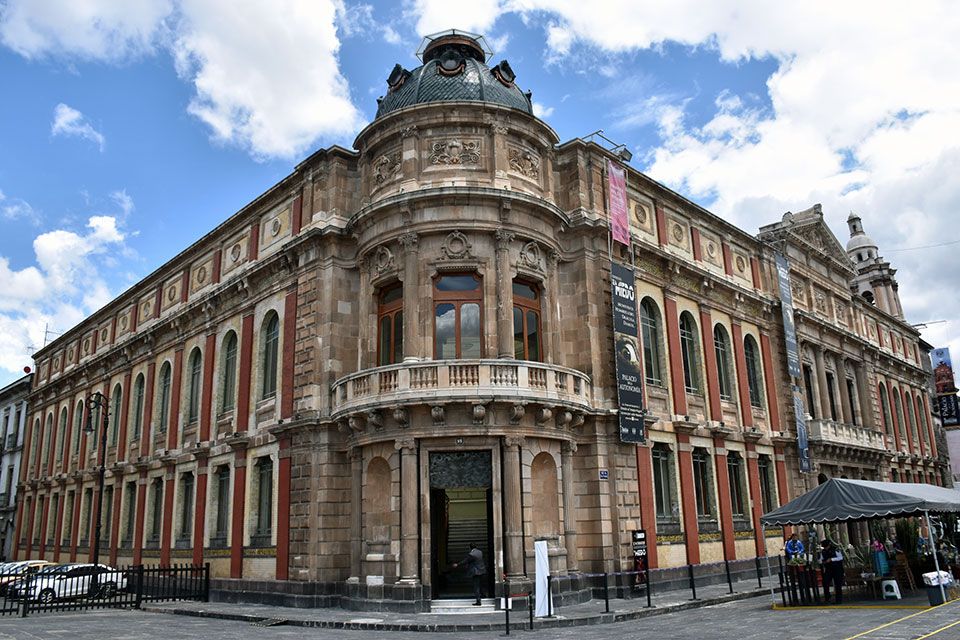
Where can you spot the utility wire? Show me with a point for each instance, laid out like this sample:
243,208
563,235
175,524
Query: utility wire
929,246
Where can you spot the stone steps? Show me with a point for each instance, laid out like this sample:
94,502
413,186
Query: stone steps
462,606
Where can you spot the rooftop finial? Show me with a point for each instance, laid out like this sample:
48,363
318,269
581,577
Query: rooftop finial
468,44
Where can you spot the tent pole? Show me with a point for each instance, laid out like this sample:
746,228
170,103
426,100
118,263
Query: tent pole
936,562
766,553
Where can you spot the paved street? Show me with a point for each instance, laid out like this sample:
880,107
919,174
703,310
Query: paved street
743,620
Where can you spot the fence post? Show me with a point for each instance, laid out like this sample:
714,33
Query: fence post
549,598
139,591
530,609
726,566
646,580
206,582
606,593
693,582
507,601
25,601
783,589
759,581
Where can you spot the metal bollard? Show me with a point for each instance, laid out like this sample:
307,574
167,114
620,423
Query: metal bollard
693,582
549,598
726,567
759,575
646,579
530,609
606,593
507,601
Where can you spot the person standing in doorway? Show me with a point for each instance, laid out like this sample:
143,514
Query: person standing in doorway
476,569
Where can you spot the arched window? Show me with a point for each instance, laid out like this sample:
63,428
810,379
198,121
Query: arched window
650,329
721,346
94,422
195,371
115,403
754,377
390,324
885,407
689,349
43,437
137,406
457,317
270,339
77,428
62,435
228,375
164,396
526,321
911,416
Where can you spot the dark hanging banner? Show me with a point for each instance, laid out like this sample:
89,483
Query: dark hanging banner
627,348
803,446
786,310
949,410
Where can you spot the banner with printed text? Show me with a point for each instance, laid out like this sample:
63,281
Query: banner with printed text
617,197
627,364
946,386
786,310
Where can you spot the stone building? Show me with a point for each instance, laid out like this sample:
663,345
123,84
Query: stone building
866,377
406,347
13,417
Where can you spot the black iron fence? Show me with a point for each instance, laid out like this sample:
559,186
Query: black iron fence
70,587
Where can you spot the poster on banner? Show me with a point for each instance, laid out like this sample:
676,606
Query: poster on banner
627,351
943,371
617,198
786,310
949,410
803,445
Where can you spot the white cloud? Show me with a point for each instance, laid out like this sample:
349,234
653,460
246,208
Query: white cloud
390,35
67,121
542,111
65,284
14,209
432,16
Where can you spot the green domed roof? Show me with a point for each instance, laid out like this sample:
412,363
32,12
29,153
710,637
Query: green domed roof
454,70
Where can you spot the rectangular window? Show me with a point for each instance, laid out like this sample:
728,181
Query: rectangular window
106,515
735,479
830,396
186,509
701,481
86,516
526,321
808,388
390,326
54,508
766,483
130,498
67,518
156,512
264,522
223,507
852,398
457,319
663,483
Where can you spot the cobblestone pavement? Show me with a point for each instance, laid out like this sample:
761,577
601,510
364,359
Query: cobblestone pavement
742,620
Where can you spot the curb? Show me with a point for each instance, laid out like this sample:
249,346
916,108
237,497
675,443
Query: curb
579,621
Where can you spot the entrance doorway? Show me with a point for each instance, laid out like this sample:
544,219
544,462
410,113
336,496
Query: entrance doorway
461,514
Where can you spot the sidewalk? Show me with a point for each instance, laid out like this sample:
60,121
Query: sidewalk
588,613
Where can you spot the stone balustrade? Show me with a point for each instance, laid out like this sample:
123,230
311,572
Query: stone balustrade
441,381
836,433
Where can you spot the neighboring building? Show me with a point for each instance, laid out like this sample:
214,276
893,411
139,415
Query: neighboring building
13,419
865,383
403,348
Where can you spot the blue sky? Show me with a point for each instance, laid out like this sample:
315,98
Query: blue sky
128,130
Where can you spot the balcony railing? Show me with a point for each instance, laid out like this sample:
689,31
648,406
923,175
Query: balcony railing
829,432
453,380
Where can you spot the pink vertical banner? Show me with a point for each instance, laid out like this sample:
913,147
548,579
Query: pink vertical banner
617,188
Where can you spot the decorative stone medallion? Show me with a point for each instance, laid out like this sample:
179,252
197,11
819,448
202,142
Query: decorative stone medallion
456,246
383,260
455,152
201,274
171,294
677,233
86,346
640,213
103,335
530,255
741,264
711,250
235,252
275,227
386,167
525,162
124,322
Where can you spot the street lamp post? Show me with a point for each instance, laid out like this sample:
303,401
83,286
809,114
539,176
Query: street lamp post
101,402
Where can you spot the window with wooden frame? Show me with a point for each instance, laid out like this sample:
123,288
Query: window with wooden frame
457,316
526,322
390,324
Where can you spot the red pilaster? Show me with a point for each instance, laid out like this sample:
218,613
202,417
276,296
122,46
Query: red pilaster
773,404
661,225
296,221
158,300
727,259
75,525
753,478
676,362
691,529
755,272
146,435
217,265
254,246
239,497
896,419
134,317
115,523
26,453
122,449
710,361
94,341
173,429
32,511
648,507
283,509
200,510
746,411
44,506
243,379
289,342
783,494
166,532
58,531
695,242
206,397
141,513
185,286
723,498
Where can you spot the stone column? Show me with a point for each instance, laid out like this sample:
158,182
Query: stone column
845,404
512,515
409,510
412,344
356,506
863,393
551,308
822,381
504,296
567,449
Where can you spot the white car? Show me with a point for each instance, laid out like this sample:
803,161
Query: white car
70,581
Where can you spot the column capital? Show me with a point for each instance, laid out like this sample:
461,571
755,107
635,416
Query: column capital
408,445
513,442
504,238
410,242
568,447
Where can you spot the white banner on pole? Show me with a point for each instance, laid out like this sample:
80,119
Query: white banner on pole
542,561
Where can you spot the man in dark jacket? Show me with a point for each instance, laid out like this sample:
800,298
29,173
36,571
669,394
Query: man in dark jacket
476,569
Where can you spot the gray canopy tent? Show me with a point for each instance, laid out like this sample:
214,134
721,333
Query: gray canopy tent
839,500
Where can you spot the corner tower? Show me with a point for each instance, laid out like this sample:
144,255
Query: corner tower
874,279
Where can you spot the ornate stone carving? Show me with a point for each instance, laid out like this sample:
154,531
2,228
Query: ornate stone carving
568,446
104,334
456,246
171,294
516,413
235,251
406,132
356,423
525,162
530,256
677,233
375,418
544,414
124,321
437,414
504,238
640,213
564,418
405,443
386,167
798,290
275,227
383,261
409,241
201,274
479,413
820,301
455,152
741,264
498,128
711,249
401,416
512,441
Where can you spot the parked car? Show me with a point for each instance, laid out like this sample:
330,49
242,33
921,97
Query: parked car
70,581
12,571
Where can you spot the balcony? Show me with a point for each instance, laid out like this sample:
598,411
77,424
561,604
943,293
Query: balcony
443,381
845,435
